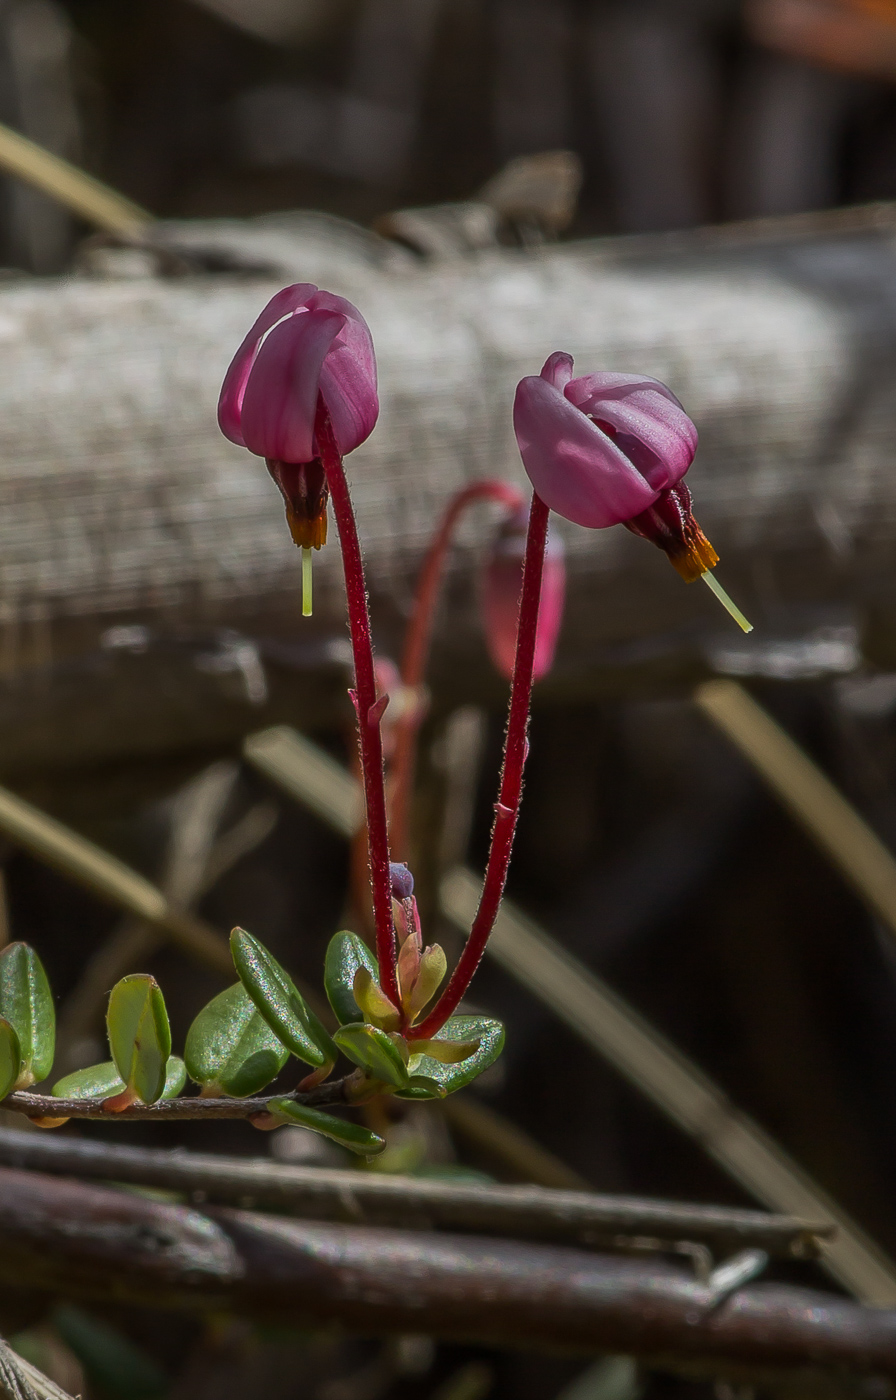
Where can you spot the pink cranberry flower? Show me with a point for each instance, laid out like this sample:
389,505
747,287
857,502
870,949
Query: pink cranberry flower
307,345
608,449
502,579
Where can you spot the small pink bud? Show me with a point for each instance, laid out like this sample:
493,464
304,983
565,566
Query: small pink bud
502,580
306,345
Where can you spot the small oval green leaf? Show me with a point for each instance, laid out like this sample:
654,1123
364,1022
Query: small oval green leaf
376,1052
26,1002
278,1002
350,1135
461,1030
346,953
10,1059
229,1045
139,1035
420,1087
104,1082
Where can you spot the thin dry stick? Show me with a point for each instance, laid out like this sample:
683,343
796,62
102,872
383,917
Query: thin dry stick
844,836
197,810
675,1085
81,193
110,879
379,1198
307,775
19,1380
494,1134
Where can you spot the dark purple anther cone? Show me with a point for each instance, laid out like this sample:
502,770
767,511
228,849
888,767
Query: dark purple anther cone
402,881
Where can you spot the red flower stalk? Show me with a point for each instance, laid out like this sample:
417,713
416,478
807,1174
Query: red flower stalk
502,581
511,786
419,637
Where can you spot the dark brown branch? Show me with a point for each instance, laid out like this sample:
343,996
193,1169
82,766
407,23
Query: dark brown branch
67,1237
45,1106
526,1212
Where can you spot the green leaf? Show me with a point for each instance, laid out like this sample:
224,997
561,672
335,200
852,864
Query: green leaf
376,1052
420,1087
10,1059
350,1135
139,1035
104,1082
229,1046
278,1002
346,953
26,1002
460,1029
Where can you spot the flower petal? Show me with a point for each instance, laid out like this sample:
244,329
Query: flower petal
608,383
280,397
348,380
651,427
557,369
230,402
575,468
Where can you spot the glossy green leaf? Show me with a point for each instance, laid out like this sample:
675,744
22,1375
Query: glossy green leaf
376,1052
230,1046
278,1002
104,1082
139,1035
350,1135
26,1002
460,1029
10,1059
346,953
421,1087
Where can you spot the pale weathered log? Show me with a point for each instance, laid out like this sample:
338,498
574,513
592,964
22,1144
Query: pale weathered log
65,1236
121,507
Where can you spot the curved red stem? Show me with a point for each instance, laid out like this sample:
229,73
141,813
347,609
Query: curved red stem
370,743
419,637
511,787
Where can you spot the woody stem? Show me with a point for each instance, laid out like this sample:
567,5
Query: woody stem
418,639
370,743
511,788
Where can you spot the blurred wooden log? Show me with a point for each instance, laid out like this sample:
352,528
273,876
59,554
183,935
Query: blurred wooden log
149,594
66,1237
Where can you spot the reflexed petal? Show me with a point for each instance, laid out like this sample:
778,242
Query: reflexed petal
348,379
230,402
557,369
575,468
280,398
608,384
656,434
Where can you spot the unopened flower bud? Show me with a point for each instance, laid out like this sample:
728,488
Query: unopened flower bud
402,881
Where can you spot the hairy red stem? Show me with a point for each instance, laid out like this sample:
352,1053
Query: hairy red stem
511,788
370,742
418,639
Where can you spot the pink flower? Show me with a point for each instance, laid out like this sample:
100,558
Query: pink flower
307,345
608,449
502,579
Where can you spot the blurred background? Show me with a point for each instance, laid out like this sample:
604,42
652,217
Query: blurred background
648,846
